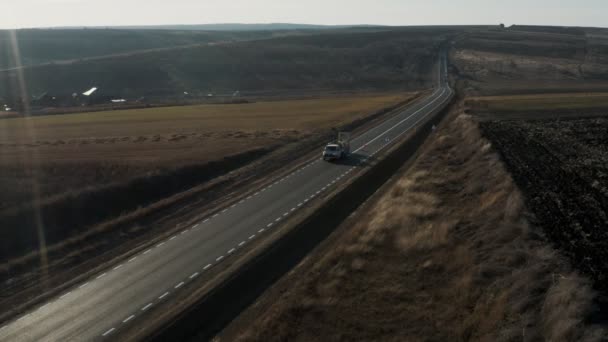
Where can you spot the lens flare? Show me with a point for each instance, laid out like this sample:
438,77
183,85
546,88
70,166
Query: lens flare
30,156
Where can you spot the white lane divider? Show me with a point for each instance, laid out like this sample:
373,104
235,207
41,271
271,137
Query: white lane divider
128,318
231,251
179,285
101,276
219,258
194,275
108,332
146,307
164,295
206,267
242,243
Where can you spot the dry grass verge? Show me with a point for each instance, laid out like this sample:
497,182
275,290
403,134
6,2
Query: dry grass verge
445,254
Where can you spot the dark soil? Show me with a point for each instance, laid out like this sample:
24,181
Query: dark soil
562,167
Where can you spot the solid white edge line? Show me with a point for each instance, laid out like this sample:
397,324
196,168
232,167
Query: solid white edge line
402,121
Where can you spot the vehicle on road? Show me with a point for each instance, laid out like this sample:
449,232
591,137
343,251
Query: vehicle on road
339,149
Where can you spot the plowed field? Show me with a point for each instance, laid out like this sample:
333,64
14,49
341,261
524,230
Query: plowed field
562,166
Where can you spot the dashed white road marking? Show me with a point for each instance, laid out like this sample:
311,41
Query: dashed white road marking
101,276
128,318
160,244
286,213
205,220
173,237
216,215
292,209
232,206
108,332
179,285
146,307
249,197
241,201
252,236
231,251
261,230
148,251
22,317
225,210
194,275
206,267
164,295
117,267
132,259
184,232
242,243
269,225
278,219
257,193
300,204
83,285
219,258
42,307
65,295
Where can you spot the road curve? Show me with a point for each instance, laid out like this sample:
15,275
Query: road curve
98,308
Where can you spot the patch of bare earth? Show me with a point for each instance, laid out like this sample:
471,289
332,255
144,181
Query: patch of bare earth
444,253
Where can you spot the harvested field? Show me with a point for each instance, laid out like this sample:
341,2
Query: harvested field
562,167
444,253
536,106
71,152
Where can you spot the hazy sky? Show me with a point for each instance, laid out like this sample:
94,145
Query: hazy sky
45,13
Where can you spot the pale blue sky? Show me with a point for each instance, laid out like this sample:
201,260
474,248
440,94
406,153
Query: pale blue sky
45,13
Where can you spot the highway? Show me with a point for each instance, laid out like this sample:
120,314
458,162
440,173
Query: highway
98,308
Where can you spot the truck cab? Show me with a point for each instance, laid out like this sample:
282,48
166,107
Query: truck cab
338,149
333,151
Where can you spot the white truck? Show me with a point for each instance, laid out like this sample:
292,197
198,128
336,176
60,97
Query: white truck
338,149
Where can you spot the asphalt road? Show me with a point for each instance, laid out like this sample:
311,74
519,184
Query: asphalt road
100,307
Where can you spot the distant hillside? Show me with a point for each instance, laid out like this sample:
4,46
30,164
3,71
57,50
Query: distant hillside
38,46
401,58
240,27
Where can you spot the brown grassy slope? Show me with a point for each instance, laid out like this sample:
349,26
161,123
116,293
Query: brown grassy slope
445,254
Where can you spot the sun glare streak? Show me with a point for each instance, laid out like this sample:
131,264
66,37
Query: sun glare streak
30,157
